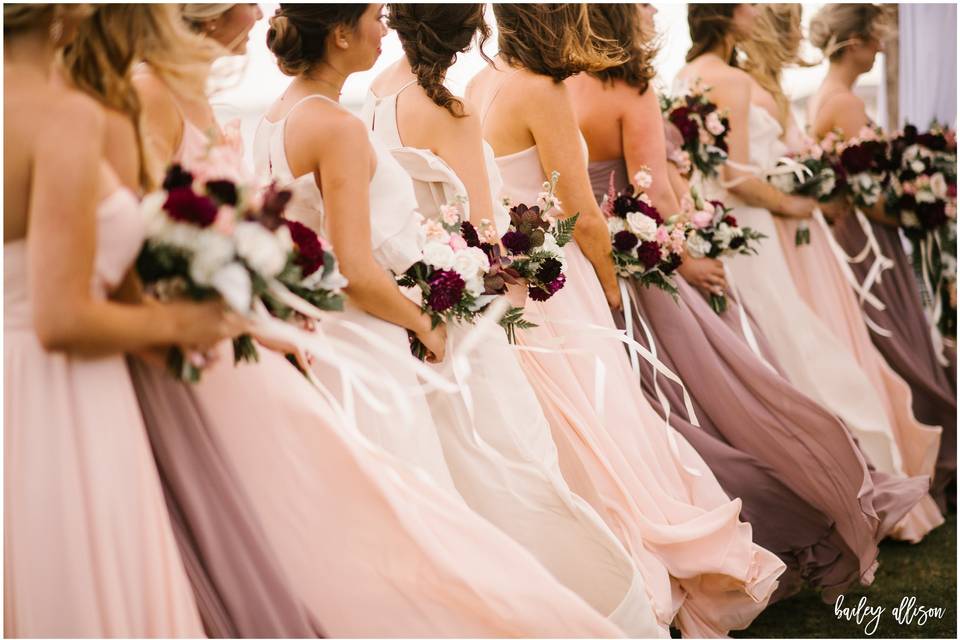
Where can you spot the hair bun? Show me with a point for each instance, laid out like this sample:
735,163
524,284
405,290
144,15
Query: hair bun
283,39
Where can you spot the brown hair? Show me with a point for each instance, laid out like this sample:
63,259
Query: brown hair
622,24
766,51
554,40
22,17
834,26
298,32
432,35
709,24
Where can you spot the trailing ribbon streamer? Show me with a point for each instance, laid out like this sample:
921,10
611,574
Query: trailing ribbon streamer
933,315
784,165
745,327
863,294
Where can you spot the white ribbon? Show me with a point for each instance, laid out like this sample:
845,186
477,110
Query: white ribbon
934,313
745,327
863,293
784,165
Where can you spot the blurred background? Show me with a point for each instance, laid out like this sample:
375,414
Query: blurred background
930,30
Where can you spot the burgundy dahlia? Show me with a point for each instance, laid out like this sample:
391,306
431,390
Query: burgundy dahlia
856,159
177,177
649,254
549,270
469,233
516,242
671,263
624,241
309,247
186,206
223,191
680,118
932,215
730,220
446,289
540,295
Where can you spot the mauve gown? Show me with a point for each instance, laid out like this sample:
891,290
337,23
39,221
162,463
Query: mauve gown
239,584
805,485
88,546
910,350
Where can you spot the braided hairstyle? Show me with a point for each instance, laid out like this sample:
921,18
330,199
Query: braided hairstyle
432,35
298,32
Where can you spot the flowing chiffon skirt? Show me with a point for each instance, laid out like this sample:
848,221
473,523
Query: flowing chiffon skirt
910,350
370,545
822,287
239,585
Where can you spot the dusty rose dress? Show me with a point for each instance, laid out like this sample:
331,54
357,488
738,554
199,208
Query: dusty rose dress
804,484
910,351
702,569
88,546
239,584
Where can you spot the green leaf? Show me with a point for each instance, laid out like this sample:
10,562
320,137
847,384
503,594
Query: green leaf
563,231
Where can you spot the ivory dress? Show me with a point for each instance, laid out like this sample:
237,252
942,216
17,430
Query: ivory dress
823,348
501,454
88,545
702,569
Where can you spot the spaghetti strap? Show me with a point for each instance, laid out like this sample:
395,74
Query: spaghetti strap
304,99
494,95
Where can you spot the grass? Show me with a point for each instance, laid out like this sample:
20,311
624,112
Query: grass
927,570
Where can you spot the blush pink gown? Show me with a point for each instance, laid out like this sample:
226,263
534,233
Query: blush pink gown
703,572
88,545
369,546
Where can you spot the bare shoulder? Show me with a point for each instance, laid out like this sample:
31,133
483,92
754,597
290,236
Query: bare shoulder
73,115
328,128
842,102
152,90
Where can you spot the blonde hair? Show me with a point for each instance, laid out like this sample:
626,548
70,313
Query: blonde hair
836,26
196,14
766,53
101,61
22,17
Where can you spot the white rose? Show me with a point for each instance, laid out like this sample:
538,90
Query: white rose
470,263
723,235
917,166
615,224
474,287
939,186
211,252
233,283
697,246
828,183
260,248
182,236
784,182
644,226
643,178
714,125
151,208
282,233
438,256
550,246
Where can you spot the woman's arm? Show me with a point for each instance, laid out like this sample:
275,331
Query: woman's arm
553,124
732,93
62,250
343,162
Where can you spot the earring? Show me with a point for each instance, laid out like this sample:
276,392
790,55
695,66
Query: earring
342,44
56,30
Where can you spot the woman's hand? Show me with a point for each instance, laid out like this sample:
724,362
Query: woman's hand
203,324
435,340
835,208
799,207
706,274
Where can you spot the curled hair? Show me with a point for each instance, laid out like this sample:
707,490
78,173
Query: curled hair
622,24
432,35
196,14
101,60
298,32
709,24
774,44
835,26
23,17
554,40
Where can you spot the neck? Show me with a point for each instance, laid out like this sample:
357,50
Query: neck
842,74
723,49
34,51
325,80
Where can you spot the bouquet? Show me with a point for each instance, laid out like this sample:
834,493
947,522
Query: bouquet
210,237
714,233
644,246
701,127
922,189
864,162
454,275
534,243
811,173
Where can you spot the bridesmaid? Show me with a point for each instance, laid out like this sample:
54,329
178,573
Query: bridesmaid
88,546
804,484
655,493
239,585
850,35
827,361
502,457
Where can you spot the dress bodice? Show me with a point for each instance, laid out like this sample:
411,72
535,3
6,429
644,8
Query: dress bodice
120,232
435,182
765,144
394,220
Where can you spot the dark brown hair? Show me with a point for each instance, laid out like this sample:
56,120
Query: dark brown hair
622,24
298,32
835,25
432,35
709,25
554,40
